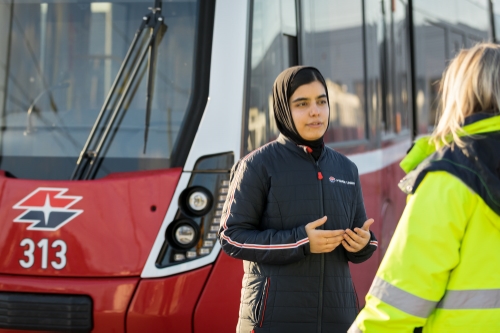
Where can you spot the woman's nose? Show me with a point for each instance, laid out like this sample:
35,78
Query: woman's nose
314,109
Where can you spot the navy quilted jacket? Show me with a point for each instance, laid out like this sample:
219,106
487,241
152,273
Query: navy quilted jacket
275,191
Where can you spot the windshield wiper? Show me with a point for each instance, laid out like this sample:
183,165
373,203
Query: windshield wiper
88,159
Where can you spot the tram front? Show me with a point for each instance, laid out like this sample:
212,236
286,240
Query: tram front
106,181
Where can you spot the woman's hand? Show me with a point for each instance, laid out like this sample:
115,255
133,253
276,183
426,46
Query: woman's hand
322,241
357,239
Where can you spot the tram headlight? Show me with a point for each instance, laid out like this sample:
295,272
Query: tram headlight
196,201
183,234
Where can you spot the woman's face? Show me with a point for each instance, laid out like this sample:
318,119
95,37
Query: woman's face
309,107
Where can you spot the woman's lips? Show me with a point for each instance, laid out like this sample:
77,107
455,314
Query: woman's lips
315,124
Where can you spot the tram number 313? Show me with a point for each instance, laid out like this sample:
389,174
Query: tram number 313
58,245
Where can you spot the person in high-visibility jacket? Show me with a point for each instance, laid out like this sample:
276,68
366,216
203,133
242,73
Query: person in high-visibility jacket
441,272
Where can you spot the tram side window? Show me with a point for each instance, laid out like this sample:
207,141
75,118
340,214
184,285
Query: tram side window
332,41
4,39
387,67
375,64
441,29
396,115
273,48
496,16
430,62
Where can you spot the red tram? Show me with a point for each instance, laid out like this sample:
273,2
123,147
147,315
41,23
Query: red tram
119,125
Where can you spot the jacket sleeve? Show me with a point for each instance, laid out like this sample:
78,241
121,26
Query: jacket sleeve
358,221
240,233
414,273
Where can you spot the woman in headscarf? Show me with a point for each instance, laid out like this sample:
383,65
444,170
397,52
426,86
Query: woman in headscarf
295,215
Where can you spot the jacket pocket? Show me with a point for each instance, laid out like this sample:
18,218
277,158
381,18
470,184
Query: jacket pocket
260,305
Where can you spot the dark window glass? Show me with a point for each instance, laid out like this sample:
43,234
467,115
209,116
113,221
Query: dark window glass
393,63
62,57
496,17
375,63
5,21
273,48
441,29
430,62
332,41
399,66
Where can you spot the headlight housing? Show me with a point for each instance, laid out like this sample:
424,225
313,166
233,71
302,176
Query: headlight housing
193,232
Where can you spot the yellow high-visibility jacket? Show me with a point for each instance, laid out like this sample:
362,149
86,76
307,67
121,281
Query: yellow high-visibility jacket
442,268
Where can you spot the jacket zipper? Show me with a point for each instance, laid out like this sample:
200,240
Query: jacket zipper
322,265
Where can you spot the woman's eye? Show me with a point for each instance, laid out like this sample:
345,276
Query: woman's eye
322,102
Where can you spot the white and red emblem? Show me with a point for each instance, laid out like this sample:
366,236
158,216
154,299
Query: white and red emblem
47,209
332,179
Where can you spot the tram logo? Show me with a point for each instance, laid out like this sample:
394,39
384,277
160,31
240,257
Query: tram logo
47,209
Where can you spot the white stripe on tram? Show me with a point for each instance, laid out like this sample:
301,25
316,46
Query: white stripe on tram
378,159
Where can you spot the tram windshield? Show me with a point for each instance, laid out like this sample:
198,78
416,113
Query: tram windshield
58,61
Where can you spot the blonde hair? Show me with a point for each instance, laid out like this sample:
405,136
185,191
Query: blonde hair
470,84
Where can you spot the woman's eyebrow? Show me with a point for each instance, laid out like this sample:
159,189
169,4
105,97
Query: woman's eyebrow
306,99
300,99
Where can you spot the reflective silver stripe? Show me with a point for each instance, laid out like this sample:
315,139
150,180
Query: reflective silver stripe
401,299
470,299
354,329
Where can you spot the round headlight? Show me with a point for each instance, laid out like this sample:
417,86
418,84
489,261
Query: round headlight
184,234
198,201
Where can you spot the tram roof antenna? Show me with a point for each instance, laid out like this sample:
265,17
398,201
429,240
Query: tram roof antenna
89,156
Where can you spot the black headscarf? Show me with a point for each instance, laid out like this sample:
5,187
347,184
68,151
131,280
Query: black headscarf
284,86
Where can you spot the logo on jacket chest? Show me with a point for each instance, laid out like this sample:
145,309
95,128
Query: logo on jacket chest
336,180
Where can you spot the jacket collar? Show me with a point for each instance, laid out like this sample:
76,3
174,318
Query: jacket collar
422,148
300,149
